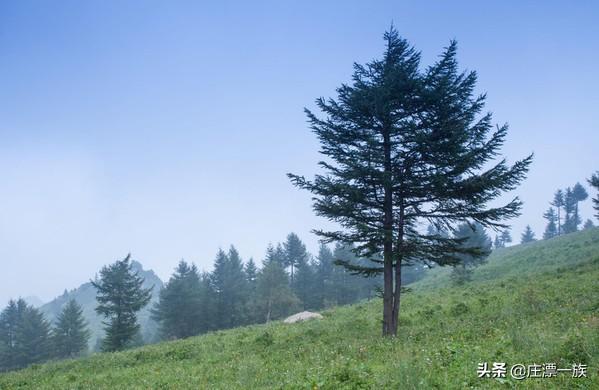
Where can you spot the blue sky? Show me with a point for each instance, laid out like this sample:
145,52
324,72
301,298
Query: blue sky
165,129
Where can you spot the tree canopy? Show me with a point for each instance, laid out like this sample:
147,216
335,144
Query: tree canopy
120,296
70,334
404,146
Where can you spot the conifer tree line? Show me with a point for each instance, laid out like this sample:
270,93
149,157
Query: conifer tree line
563,217
26,337
192,302
502,239
237,293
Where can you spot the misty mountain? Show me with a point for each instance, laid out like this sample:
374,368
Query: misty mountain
85,295
33,301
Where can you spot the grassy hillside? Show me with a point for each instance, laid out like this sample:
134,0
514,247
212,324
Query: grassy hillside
536,303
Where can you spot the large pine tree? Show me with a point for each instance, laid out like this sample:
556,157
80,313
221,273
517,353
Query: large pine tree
70,334
407,146
120,296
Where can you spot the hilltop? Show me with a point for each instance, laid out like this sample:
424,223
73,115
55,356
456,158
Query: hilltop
85,295
533,303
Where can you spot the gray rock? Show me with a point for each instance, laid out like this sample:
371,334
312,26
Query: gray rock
303,316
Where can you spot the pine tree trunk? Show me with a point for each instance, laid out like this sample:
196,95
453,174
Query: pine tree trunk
388,323
387,295
397,292
396,300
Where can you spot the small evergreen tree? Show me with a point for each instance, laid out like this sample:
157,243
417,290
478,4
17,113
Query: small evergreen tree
498,243
70,334
9,322
551,228
571,218
579,193
345,285
24,336
274,298
594,182
180,307
324,277
251,276
527,236
238,288
558,203
33,338
229,288
506,237
588,224
251,273
276,254
120,296
219,289
475,239
295,254
303,284
301,273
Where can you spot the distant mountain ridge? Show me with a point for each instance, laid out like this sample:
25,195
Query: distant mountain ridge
85,295
33,301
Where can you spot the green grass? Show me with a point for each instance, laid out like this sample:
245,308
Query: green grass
534,303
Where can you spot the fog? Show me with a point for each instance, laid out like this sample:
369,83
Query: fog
167,132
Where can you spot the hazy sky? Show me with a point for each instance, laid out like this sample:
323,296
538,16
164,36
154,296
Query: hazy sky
165,128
